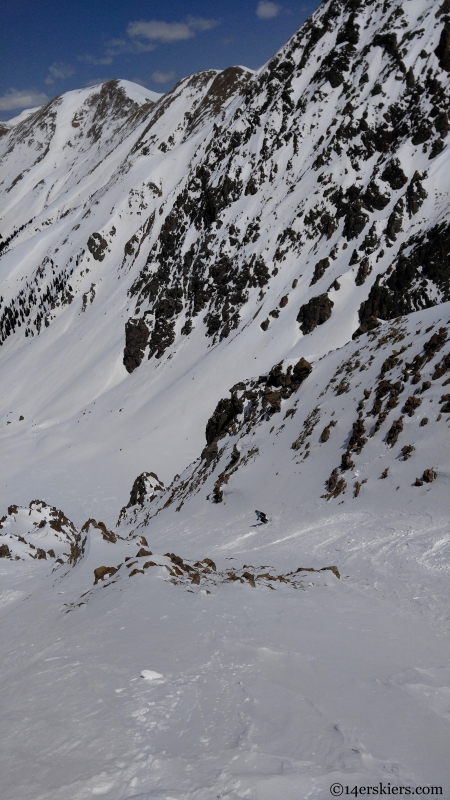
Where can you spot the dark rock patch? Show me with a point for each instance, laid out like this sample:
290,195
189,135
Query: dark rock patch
97,246
411,404
317,311
394,224
225,413
5,552
442,51
100,573
319,270
429,475
403,288
394,432
325,435
415,194
335,485
136,339
363,271
407,450
394,175
107,535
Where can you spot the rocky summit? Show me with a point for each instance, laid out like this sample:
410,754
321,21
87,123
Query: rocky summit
191,286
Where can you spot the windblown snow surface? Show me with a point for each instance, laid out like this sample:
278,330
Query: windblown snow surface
231,297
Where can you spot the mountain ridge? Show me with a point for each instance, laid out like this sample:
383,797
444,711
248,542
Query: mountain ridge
366,227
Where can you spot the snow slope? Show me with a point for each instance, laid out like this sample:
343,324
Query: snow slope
232,296
211,203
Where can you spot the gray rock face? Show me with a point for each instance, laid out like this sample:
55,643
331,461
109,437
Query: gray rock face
315,312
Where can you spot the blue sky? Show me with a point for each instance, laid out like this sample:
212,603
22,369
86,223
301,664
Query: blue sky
51,46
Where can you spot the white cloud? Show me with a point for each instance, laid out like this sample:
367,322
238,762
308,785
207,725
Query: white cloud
59,71
165,32
267,10
160,31
202,24
25,98
118,46
163,77
145,36
95,61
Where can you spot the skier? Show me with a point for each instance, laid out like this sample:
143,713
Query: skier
261,517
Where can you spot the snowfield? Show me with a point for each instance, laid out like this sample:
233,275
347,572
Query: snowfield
262,693
230,297
161,686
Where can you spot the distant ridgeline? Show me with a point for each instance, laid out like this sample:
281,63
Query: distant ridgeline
324,163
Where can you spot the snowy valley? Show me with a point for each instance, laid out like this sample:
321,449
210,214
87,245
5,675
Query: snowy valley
232,296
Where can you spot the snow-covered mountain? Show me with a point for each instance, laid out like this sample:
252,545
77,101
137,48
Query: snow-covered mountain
210,233
230,296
